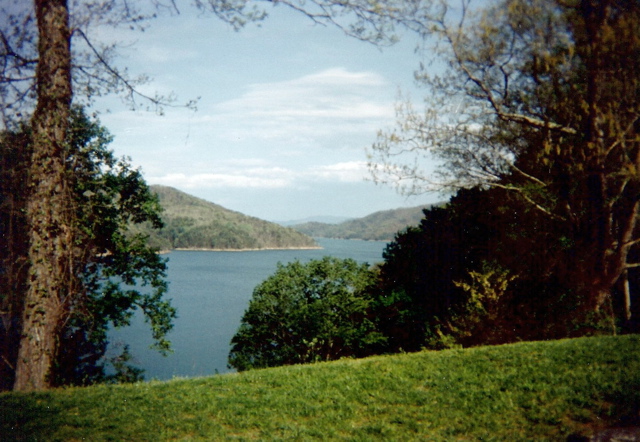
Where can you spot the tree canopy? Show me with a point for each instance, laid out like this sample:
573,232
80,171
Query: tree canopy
309,312
117,272
540,98
484,269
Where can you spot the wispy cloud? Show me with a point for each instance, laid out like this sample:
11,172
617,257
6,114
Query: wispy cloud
345,172
221,180
241,176
327,103
274,136
335,102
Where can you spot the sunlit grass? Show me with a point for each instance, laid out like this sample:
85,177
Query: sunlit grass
544,390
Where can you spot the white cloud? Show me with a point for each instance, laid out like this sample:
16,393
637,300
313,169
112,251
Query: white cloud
161,54
276,135
220,180
330,102
346,172
333,108
242,175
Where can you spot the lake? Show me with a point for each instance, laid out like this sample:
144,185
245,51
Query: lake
211,291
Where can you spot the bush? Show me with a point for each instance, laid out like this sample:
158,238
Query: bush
305,313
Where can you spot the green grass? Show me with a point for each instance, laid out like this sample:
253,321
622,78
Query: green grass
526,391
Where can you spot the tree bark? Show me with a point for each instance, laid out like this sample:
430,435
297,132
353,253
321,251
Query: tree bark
49,207
613,207
626,293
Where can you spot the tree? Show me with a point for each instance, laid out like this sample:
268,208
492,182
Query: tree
109,262
49,208
38,63
482,317
420,266
540,98
305,313
486,268
417,292
13,244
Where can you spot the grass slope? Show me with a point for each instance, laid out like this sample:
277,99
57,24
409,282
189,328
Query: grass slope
379,226
525,391
193,223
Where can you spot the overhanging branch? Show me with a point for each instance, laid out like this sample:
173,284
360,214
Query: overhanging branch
157,101
527,198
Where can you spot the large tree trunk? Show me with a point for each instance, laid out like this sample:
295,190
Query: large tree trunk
610,258
49,208
611,198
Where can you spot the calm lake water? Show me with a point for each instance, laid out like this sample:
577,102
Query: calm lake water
211,291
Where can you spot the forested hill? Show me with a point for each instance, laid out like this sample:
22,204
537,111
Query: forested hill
193,223
379,226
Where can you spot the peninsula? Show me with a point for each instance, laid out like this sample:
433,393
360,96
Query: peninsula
191,223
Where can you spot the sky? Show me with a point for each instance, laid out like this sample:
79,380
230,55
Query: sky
286,113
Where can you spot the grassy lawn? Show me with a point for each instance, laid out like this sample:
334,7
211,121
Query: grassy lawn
526,391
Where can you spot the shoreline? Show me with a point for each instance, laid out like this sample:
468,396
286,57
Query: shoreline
204,249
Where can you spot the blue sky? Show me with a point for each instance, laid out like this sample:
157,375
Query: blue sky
286,113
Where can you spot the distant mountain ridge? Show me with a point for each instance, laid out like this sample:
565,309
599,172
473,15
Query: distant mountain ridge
317,219
195,224
379,226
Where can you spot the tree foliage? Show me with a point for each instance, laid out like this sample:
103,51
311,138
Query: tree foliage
307,312
540,98
486,268
417,295
417,289
482,317
110,264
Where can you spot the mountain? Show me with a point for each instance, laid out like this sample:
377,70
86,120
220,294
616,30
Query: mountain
193,223
317,219
380,226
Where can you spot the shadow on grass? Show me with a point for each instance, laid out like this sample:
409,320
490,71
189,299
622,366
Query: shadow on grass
27,417
625,406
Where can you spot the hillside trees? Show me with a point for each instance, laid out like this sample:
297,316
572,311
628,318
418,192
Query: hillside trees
107,196
317,311
540,98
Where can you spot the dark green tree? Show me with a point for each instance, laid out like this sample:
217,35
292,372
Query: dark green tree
540,98
417,289
117,272
486,268
309,312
